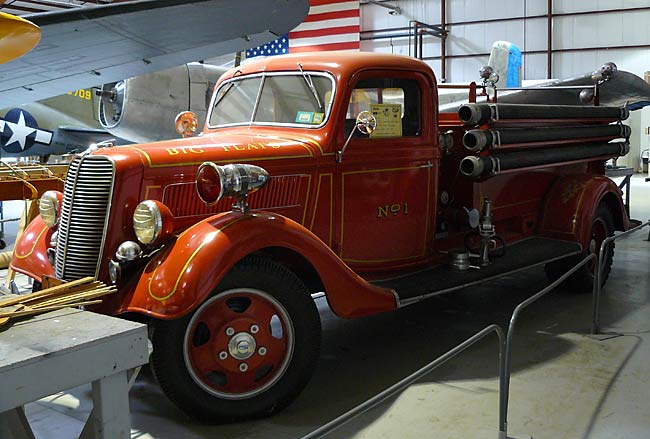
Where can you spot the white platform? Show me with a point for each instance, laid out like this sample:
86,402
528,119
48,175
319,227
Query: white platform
64,349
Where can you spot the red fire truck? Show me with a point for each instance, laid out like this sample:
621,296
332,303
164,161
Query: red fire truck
331,173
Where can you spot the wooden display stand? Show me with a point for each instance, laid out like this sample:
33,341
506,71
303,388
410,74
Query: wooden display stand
64,349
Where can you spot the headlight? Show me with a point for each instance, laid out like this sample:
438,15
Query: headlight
48,206
152,222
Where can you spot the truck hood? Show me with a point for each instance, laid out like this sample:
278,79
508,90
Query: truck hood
225,146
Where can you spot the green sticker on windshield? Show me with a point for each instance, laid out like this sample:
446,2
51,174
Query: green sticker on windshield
305,116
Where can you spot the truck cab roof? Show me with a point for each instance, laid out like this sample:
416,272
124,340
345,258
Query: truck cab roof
339,63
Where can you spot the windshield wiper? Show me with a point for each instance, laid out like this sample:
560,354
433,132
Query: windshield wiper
310,84
224,93
228,87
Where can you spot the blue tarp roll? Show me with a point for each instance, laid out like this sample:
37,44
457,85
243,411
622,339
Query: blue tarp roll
514,65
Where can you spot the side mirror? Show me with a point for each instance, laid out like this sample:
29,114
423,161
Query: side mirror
186,123
366,123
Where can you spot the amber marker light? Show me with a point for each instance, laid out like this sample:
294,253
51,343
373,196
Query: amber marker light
186,123
17,37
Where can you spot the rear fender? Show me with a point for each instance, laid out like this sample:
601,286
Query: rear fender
180,277
571,205
30,251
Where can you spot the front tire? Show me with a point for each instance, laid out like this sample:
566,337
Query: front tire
582,281
246,352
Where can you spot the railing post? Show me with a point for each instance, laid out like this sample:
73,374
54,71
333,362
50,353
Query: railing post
503,396
598,273
507,363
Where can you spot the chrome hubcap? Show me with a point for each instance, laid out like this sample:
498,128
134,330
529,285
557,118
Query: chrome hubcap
242,346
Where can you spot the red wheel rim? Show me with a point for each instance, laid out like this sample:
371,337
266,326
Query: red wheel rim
238,343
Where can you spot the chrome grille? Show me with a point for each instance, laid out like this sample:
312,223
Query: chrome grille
86,199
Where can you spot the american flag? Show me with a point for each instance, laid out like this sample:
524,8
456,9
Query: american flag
330,25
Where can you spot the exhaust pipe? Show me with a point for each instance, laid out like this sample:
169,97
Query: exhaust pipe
473,166
475,114
477,140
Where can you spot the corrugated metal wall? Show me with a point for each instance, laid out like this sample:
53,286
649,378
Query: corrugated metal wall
471,36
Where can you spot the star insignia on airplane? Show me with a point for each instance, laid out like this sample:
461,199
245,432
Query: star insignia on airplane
19,131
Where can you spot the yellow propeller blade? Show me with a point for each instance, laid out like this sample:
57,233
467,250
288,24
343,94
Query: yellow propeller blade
17,37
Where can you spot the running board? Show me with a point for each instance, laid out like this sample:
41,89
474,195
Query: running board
525,254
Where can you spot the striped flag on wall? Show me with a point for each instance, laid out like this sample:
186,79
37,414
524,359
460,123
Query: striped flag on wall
330,25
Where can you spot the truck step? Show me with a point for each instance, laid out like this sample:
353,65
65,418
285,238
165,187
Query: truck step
522,255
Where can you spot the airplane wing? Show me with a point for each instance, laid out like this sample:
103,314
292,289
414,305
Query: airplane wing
621,89
89,46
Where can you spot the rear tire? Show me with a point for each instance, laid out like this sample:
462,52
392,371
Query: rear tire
246,352
582,281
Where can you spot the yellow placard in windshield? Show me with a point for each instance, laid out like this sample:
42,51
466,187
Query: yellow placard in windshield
389,120
318,118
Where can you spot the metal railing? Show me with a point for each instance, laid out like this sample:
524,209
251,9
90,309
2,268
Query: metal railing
505,346
403,384
505,376
505,349
595,324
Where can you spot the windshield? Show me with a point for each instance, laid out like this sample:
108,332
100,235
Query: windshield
283,99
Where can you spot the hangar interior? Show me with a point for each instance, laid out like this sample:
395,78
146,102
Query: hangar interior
566,380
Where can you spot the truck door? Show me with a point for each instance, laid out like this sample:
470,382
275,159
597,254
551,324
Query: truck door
385,181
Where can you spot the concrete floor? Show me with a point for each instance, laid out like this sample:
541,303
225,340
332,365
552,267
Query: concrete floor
565,384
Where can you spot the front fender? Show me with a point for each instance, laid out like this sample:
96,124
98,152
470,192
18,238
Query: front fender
572,202
179,278
30,251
